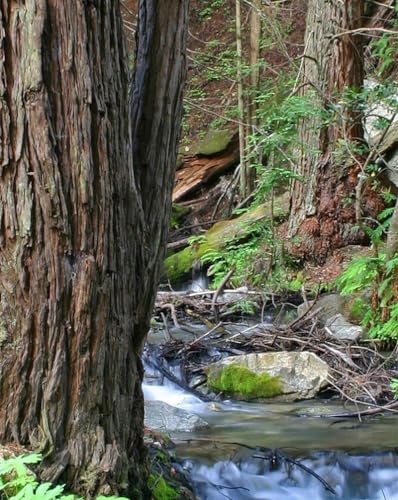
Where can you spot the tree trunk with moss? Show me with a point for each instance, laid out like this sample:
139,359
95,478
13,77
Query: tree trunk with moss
82,231
323,215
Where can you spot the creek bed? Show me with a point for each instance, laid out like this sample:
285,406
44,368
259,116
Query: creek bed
358,459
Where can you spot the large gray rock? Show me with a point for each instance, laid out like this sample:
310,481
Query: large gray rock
329,305
166,418
302,374
340,328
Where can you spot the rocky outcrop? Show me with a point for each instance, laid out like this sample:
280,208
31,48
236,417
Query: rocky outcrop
301,374
163,417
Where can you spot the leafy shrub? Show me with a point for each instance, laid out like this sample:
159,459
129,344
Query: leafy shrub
379,274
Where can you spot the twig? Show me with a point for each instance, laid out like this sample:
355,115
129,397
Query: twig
172,312
166,331
390,407
185,348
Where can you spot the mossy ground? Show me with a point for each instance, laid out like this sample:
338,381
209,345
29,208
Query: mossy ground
161,490
241,382
177,214
179,264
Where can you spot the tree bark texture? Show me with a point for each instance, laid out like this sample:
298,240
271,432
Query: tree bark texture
77,266
323,202
156,110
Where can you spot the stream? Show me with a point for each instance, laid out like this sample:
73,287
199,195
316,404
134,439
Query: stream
359,460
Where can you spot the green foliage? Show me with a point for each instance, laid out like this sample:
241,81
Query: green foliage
234,255
358,310
177,213
279,114
380,275
239,381
244,306
17,482
385,47
161,490
209,7
394,387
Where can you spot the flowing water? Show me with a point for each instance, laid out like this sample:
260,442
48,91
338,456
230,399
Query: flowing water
359,460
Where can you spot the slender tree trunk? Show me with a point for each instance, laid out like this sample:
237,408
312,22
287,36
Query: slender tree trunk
255,38
241,105
78,265
323,203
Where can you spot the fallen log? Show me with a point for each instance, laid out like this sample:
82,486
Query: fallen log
199,169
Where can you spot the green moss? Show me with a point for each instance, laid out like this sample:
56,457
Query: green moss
241,382
216,238
160,489
177,213
215,141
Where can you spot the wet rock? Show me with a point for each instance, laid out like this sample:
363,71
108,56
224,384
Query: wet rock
163,417
340,328
302,374
197,381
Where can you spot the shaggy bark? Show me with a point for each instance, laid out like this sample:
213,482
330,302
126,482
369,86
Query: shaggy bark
78,268
322,216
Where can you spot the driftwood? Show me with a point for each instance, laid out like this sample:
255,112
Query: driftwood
359,371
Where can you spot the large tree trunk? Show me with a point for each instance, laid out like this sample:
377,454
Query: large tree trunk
323,202
77,262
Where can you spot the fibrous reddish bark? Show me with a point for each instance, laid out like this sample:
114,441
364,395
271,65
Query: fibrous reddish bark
78,269
323,202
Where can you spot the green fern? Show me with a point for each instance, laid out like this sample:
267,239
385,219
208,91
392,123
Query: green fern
17,482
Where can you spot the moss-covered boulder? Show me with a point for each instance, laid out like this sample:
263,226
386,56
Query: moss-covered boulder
241,383
215,141
290,375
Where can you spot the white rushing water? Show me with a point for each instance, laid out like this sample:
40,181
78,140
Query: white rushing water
357,460
367,477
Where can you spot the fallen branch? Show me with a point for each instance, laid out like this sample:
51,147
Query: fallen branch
219,290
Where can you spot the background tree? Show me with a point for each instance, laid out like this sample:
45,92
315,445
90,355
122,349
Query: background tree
323,202
82,231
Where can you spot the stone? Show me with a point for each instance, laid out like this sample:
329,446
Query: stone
302,374
330,305
163,417
340,328
386,141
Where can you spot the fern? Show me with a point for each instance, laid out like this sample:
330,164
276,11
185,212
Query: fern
17,482
361,272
